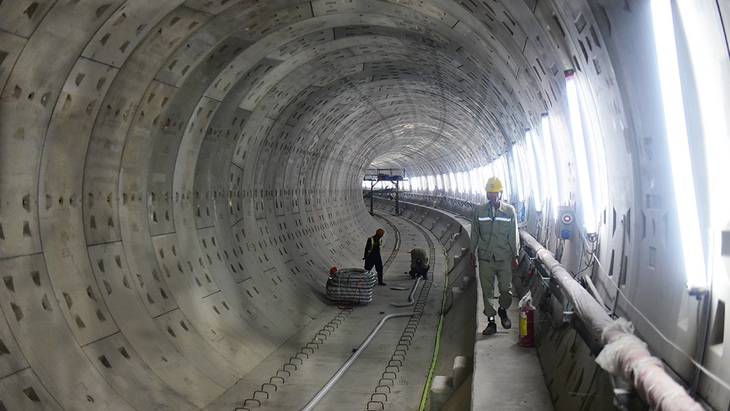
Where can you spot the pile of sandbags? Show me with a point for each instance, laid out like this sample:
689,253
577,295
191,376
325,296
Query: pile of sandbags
351,285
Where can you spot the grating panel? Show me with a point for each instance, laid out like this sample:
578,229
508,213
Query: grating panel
45,338
139,329
11,357
24,391
191,345
118,363
124,29
23,17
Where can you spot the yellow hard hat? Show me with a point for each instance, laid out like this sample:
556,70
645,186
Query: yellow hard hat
494,185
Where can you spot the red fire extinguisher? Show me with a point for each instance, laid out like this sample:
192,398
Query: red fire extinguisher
526,332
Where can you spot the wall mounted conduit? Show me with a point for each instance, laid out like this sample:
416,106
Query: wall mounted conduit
623,353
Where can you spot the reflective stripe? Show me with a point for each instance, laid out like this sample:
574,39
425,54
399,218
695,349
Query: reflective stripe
495,219
372,243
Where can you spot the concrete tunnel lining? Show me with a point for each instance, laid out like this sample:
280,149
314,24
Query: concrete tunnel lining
181,159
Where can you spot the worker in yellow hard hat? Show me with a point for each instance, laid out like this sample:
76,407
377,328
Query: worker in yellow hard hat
495,242
372,254
494,185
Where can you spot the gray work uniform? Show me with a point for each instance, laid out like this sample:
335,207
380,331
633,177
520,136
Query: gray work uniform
495,242
419,262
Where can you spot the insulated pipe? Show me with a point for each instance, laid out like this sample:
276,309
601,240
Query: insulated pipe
411,300
323,391
623,353
584,305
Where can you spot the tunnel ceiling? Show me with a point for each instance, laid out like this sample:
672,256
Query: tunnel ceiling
425,86
233,104
406,85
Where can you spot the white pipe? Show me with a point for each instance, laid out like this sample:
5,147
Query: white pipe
623,353
322,392
411,300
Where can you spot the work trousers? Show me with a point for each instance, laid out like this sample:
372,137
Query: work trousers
502,271
378,263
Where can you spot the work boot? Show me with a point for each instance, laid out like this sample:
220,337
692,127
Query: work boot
381,283
506,323
491,327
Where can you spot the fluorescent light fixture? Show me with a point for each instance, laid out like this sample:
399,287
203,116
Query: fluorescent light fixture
431,181
518,166
530,144
460,181
473,181
486,173
676,129
555,200
540,167
502,172
581,154
706,51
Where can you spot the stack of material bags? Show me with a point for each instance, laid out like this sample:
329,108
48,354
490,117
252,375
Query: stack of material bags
351,285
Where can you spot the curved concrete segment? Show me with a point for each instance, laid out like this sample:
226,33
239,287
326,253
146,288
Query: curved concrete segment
178,177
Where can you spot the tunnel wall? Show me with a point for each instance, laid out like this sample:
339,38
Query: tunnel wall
139,270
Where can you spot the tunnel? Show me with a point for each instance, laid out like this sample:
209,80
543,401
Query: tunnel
178,177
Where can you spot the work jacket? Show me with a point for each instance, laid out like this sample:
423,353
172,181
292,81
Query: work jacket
372,247
419,254
494,232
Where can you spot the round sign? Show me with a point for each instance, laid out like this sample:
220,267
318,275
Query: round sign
567,219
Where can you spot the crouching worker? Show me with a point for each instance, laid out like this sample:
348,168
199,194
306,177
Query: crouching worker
419,263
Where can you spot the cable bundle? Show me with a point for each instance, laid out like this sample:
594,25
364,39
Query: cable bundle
351,285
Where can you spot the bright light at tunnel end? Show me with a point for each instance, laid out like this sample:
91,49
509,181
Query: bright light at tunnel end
579,144
676,129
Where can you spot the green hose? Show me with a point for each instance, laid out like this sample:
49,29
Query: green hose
427,387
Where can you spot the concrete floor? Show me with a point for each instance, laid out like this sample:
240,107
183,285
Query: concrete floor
507,376
392,372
